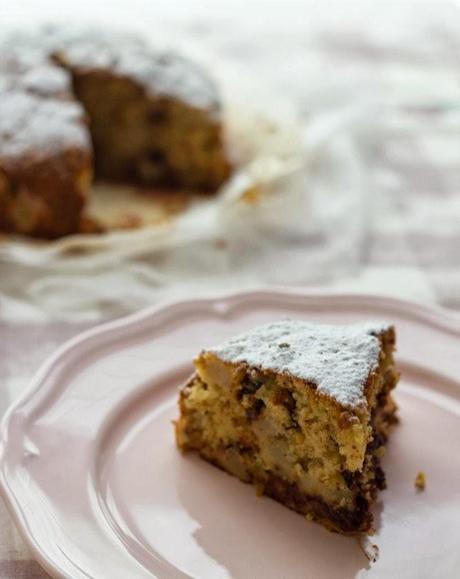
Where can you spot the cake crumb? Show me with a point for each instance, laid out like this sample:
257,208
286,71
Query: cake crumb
420,481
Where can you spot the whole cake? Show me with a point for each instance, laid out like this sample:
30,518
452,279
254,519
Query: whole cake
300,410
105,105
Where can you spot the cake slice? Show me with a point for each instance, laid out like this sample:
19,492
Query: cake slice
300,410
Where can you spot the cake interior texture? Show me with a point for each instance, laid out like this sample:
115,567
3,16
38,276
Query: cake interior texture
149,140
302,411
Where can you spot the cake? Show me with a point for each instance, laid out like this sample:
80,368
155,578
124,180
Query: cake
300,410
74,106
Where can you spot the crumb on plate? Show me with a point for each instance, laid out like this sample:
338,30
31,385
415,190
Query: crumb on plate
420,481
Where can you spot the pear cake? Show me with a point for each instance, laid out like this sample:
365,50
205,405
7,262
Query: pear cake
300,410
102,105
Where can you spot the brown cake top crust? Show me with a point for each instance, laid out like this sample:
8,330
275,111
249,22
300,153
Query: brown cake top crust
336,359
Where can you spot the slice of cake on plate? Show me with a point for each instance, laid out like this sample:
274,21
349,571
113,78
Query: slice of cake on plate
302,411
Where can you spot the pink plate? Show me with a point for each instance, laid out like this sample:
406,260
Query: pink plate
91,474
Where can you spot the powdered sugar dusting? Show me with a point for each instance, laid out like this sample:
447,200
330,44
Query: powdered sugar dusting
24,68
336,358
33,125
47,80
